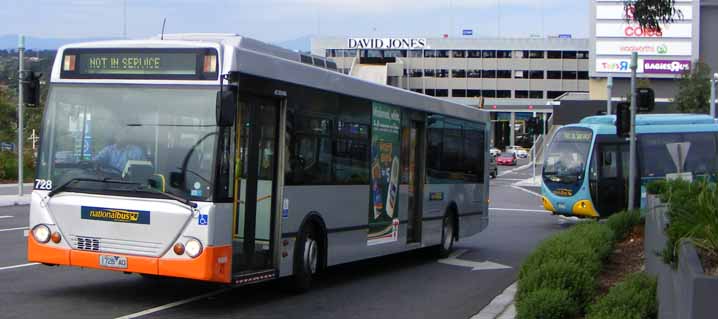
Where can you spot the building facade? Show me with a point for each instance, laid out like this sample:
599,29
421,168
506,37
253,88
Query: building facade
515,77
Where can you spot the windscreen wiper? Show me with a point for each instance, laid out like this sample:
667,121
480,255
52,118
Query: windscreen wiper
63,187
144,188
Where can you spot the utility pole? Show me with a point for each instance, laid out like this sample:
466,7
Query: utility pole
20,76
632,136
609,94
124,19
713,95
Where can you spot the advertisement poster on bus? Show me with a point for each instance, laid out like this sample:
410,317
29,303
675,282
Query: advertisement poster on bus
385,148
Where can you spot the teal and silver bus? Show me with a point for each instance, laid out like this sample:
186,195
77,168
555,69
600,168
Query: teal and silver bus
585,172
221,158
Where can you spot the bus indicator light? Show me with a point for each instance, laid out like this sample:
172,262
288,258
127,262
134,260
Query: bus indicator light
210,64
178,249
56,237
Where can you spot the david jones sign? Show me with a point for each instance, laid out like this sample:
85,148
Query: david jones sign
386,43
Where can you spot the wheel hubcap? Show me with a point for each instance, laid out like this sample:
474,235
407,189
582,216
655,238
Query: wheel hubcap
448,234
310,255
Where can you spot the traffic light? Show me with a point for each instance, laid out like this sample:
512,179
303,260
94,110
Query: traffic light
534,126
623,119
31,88
645,99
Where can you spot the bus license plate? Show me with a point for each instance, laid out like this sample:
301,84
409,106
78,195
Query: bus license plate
113,261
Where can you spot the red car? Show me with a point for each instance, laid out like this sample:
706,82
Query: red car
506,158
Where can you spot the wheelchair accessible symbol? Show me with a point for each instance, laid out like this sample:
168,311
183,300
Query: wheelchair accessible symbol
203,220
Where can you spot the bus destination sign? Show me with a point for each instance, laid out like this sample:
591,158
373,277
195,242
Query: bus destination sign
136,64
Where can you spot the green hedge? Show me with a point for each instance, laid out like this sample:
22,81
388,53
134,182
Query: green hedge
8,165
568,265
634,298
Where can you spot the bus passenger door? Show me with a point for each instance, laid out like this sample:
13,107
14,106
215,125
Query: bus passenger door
416,181
611,190
254,199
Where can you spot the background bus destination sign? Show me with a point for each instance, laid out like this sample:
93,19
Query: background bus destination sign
155,64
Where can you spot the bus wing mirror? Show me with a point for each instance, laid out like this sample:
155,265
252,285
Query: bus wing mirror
30,82
226,107
177,180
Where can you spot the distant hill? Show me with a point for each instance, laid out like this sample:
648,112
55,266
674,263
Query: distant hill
301,44
34,43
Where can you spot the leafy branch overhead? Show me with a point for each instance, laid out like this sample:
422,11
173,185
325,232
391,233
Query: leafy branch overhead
651,14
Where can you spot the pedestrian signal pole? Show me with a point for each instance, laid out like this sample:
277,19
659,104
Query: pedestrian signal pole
632,136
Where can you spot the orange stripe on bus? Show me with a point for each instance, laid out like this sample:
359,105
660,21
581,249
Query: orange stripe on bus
214,264
46,253
89,259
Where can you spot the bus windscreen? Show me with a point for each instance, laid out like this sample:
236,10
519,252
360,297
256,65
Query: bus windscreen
165,64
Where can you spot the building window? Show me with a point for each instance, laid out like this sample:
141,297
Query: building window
489,93
503,74
569,75
429,73
473,93
536,74
554,94
442,53
582,55
459,74
521,54
415,53
372,54
330,53
473,54
536,54
521,74
349,53
583,75
429,53
503,54
474,74
430,92
458,53
553,54
521,94
442,73
569,55
553,75
458,93
395,53
488,74
536,94
503,94
415,73
488,54
418,90
442,92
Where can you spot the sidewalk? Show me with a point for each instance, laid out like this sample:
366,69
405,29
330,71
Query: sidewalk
14,200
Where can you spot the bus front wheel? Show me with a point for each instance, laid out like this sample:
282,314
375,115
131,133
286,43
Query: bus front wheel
306,258
447,236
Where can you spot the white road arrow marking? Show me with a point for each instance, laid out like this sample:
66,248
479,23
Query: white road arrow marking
474,265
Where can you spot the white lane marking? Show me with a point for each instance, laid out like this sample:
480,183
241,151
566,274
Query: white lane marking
474,265
174,304
19,266
9,229
526,190
520,210
2,217
514,170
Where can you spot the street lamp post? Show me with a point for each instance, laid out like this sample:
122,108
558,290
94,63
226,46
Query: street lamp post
632,136
21,62
609,94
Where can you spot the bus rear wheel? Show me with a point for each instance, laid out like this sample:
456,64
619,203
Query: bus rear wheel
306,258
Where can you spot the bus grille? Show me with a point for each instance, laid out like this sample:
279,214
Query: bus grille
118,246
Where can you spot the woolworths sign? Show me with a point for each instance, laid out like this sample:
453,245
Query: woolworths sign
386,43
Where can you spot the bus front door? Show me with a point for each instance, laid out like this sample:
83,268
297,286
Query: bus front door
612,178
255,187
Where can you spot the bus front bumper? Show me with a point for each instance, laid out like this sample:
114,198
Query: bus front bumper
213,264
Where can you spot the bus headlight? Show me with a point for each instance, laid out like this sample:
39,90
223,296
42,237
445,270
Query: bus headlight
193,248
41,233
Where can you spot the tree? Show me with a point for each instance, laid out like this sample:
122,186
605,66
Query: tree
694,89
652,13
8,118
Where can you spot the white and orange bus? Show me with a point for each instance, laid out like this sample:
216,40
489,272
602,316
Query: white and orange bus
221,158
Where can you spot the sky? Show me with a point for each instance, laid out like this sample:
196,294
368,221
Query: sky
281,20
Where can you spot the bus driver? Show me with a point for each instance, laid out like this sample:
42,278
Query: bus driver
116,154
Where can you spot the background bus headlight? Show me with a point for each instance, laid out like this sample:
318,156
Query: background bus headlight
193,248
41,233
